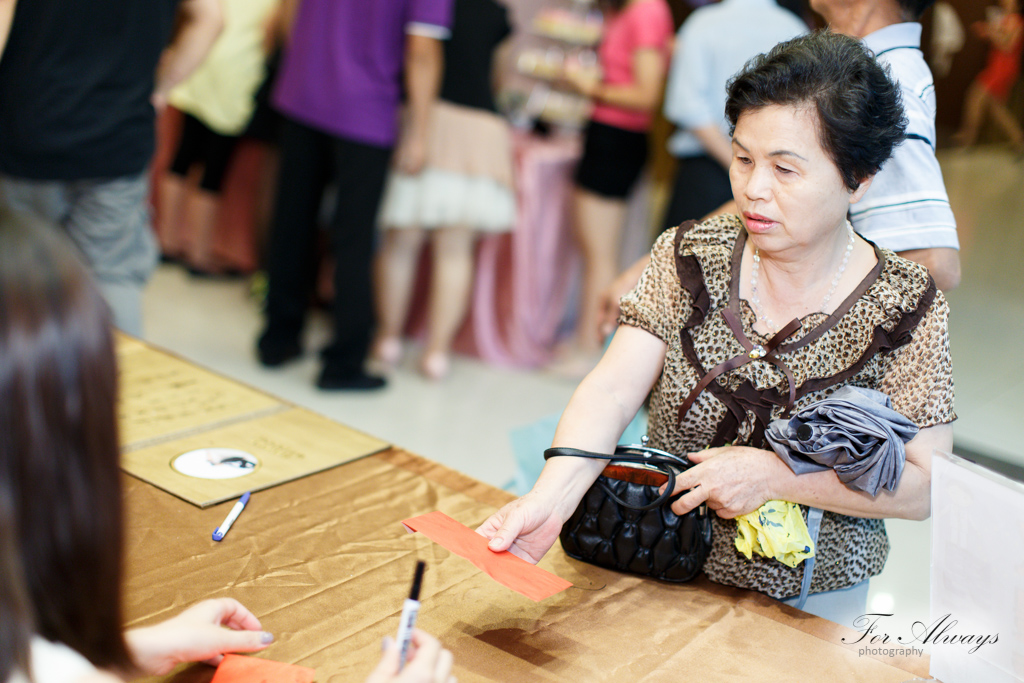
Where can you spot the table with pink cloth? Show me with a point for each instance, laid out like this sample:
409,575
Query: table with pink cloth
236,242
524,278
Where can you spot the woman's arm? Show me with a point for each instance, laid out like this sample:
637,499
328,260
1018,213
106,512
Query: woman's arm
1006,33
737,480
424,66
599,410
201,24
643,94
6,17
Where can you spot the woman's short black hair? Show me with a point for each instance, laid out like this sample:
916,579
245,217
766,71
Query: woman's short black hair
859,108
59,450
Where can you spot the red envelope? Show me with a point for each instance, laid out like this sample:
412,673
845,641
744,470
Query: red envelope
240,669
504,567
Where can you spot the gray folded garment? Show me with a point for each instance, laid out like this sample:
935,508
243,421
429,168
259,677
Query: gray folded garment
854,431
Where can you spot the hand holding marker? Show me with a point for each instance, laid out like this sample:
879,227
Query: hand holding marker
218,534
410,610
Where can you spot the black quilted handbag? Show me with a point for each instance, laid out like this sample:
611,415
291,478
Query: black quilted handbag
623,523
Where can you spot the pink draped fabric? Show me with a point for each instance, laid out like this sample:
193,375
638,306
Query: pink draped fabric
523,278
235,242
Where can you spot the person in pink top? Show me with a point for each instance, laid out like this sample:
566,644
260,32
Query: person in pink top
633,56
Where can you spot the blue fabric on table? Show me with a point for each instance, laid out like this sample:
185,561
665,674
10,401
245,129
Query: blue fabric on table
529,442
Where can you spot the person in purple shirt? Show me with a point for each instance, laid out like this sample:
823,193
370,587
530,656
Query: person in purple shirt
339,89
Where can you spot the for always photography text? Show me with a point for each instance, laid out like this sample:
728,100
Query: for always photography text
877,640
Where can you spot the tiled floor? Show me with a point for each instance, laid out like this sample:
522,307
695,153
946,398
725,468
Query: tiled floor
465,421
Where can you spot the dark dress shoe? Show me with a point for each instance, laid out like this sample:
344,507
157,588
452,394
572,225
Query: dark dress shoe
272,353
337,379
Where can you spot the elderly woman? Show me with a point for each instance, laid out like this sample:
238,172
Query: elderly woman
742,318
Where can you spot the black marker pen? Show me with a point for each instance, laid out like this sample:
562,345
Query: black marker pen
410,610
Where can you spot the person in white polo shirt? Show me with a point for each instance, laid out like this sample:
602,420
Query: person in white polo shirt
907,208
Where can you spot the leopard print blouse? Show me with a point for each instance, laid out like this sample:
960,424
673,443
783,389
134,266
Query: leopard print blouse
890,335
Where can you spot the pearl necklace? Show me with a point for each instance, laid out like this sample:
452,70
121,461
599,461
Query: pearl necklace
755,269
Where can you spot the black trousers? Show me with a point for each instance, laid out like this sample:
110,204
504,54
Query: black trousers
310,159
701,186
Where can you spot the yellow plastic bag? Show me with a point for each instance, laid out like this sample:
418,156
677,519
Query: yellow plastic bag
776,529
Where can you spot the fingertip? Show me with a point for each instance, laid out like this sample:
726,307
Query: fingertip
266,638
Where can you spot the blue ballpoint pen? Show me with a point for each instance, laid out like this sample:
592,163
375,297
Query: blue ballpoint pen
218,534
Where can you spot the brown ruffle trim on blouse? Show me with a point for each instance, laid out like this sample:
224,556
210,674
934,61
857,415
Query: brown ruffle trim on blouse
747,399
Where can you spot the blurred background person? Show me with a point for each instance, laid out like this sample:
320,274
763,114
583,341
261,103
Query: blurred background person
712,45
633,58
464,189
339,89
218,101
948,37
78,85
990,90
906,209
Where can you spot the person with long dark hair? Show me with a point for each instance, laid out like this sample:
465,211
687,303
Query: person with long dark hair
61,510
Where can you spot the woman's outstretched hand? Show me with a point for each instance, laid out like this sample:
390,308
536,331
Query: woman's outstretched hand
526,527
204,632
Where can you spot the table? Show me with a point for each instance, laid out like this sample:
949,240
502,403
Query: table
325,563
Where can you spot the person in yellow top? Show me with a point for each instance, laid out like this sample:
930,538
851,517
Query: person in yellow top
218,101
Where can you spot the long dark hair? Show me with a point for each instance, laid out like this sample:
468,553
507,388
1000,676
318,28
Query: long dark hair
16,624
58,439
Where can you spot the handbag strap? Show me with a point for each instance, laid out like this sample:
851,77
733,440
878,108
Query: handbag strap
814,516
663,462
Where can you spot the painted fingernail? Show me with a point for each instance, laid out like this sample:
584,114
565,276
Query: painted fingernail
266,638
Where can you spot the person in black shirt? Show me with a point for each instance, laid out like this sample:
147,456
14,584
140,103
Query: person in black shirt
78,87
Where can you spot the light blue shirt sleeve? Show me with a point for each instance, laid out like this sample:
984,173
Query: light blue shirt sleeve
688,101
713,44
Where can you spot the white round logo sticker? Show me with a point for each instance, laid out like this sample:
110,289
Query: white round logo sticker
216,463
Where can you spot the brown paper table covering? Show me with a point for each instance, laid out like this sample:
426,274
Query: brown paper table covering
162,396
169,406
325,563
